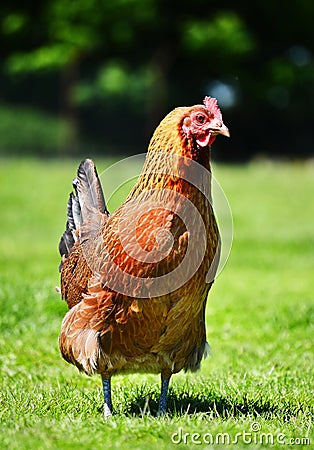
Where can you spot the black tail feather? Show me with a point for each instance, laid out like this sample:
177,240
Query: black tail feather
88,189
74,212
87,199
73,224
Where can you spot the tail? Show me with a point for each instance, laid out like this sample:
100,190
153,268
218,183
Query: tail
86,200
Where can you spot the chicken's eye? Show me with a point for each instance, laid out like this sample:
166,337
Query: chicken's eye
200,118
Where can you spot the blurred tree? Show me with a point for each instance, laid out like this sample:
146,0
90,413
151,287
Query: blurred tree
143,57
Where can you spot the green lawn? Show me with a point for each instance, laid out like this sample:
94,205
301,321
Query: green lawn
256,387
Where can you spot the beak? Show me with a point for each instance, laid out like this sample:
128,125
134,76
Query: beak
223,130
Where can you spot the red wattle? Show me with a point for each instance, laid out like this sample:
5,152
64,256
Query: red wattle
205,140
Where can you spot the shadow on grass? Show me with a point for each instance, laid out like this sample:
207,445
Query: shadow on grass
217,406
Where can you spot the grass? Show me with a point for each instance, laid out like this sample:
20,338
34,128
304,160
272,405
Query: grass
257,386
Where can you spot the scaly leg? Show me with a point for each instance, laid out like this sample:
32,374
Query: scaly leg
106,382
162,406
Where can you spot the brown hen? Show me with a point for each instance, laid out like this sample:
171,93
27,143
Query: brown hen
136,281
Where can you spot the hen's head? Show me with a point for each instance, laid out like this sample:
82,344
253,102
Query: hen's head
203,122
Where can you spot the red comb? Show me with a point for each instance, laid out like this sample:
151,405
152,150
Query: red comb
211,105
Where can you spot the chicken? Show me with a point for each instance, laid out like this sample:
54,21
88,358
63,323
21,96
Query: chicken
136,281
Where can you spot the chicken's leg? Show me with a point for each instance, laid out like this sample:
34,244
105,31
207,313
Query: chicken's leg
106,382
162,406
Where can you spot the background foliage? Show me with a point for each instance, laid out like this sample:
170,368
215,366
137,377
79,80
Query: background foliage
100,75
